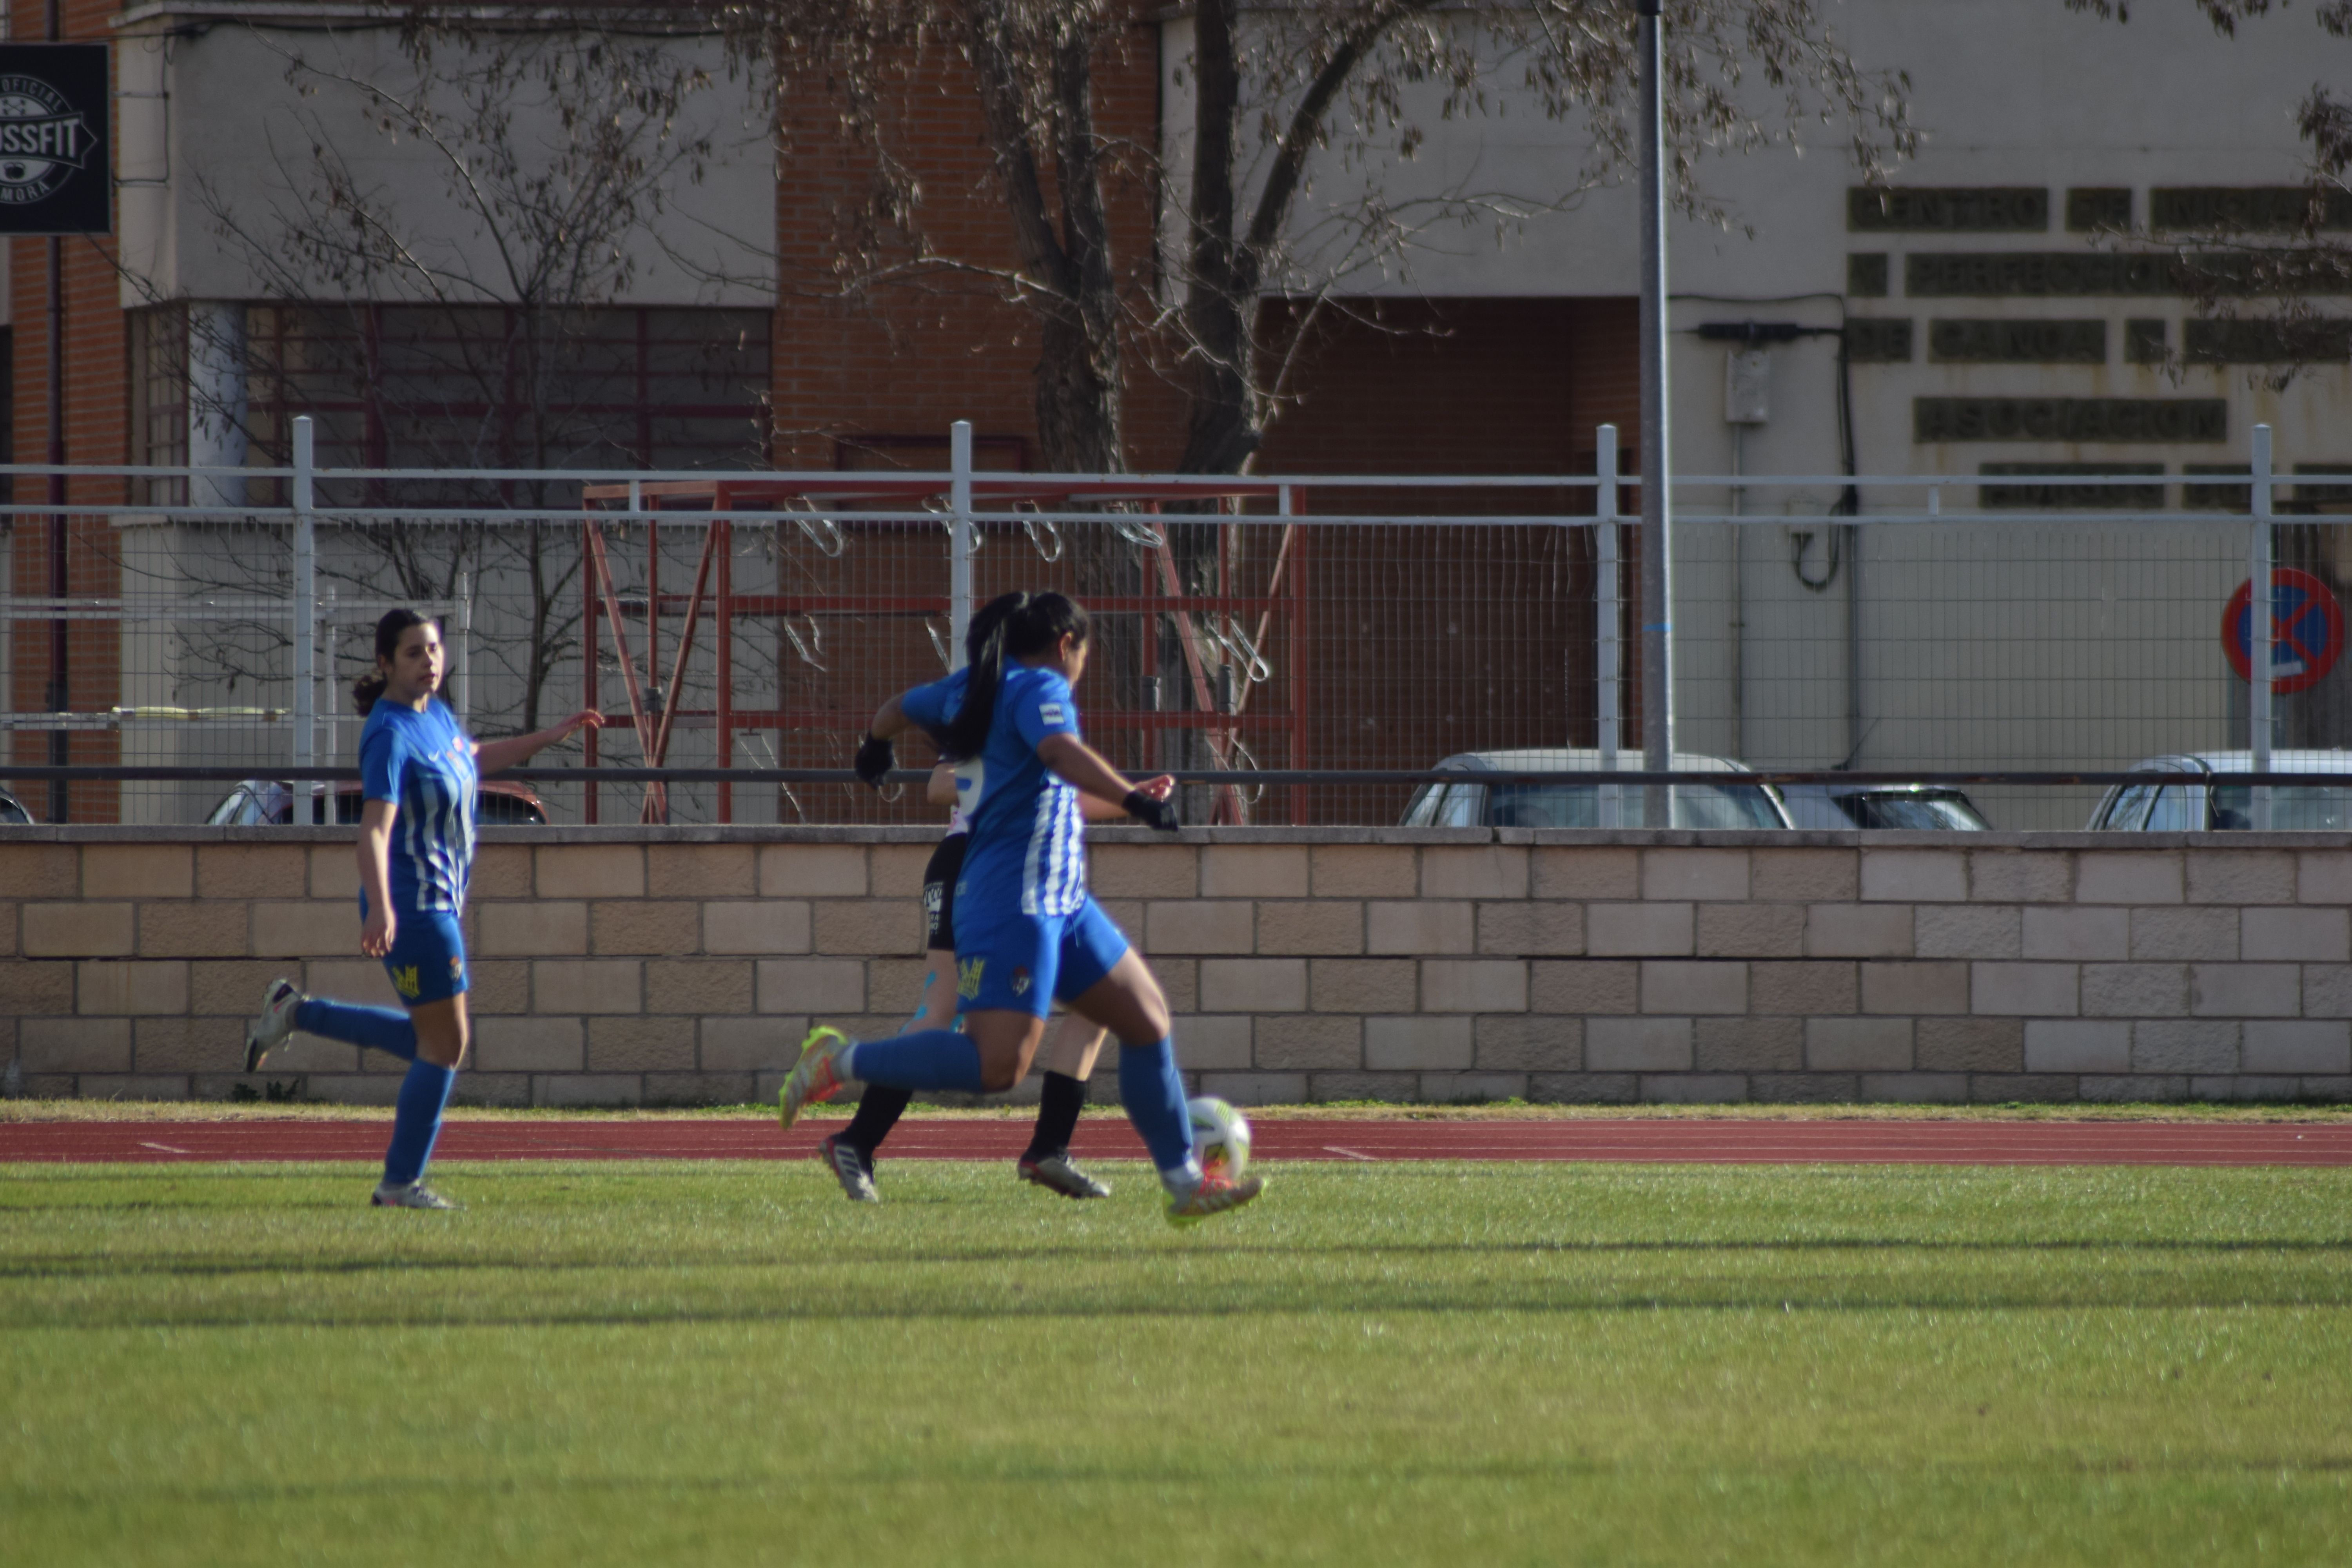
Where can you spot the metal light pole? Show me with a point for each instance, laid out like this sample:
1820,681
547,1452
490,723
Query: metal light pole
960,531
1657,546
2260,626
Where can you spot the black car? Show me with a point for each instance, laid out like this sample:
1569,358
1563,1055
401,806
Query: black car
14,812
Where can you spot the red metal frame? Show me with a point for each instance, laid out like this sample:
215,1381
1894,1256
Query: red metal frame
1285,598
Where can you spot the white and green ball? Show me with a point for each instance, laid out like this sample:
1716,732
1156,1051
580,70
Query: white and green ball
1221,1136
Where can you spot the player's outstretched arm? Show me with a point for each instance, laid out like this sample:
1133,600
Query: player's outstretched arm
490,756
1081,765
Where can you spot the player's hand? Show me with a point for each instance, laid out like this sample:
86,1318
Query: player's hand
875,760
586,719
376,936
1160,788
1158,815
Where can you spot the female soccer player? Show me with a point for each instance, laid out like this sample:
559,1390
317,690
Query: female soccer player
418,773
1027,932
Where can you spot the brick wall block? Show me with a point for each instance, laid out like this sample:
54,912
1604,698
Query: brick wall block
1221,926
75,1045
2323,876
2297,1046
2116,876
360,980
2244,990
2021,876
190,1044
335,872
698,1089
307,1054
2083,933
1333,926
1637,1045
1308,1041
1915,877
1640,930
1970,1045
1472,1088
1395,1087
810,985
1209,1043
35,988
896,986
1693,1089
698,986
1179,981
534,1044
1522,1042
1857,931
1254,871
545,928
40,871
589,986
2327,991
750,1045
2135,990
1804,1087
509,1091
117,986
138,871
203,929
1695,876
1145,870
1915,988
1364,871
1858,1045
589,872
863,927
1583,1088
2184,1045
495,986
1696,985
7,930
1586,988
1363,985
2075,1045
641,1045
1915,1088
2310,934
719,870
1418,1043
1558,872
500,871
132,1086
2241,877
644,928
1804,988
1256,1088
235,986
2134,1088
1530,929
2190,932
1473,985
2024,990
2244,1087
1804,875
76,931
1420,927
896,871
1254,985
1967,931
757,926
1750,931
559,1089
1491,871
252,871
1749,1045
813,870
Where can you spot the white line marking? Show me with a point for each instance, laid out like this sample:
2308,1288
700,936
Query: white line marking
165,1147
1335,1149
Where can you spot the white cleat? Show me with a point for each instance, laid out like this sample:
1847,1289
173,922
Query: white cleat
416,1196
268,1031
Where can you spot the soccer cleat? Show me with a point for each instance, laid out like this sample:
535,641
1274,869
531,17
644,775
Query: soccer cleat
1059,1174
813,1080
1214,1195
416,1196
850,1169
268,1031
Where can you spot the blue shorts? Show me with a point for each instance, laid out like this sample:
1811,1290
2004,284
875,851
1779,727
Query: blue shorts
427,960
1024,964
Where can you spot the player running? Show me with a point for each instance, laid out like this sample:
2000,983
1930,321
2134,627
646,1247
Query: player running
418,770
1026,930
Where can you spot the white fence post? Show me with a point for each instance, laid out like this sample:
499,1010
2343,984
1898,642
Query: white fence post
959,541
2258,632
306,624
1605,599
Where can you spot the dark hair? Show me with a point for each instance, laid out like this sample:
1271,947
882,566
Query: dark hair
1011,626
389,631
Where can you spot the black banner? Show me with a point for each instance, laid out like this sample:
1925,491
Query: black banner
57,158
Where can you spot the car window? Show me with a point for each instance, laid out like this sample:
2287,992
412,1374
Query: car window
2178,809
2293,808
12,810
1544,805
507,810
2129,810
1579,805
1940,811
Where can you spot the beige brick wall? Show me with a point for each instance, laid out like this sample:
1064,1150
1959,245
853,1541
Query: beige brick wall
624,965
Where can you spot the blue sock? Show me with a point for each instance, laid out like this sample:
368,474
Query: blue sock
933,1058
377,1028
1154,1095
416,1121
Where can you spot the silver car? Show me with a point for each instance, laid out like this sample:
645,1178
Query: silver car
1473,803
2224,802
1935,807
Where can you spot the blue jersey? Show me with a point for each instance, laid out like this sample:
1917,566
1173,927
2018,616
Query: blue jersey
1028,837
423,763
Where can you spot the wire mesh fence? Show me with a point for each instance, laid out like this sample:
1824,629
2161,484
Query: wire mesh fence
1981,623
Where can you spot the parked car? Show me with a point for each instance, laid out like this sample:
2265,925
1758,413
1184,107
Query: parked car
270,802
14,813
1474,804
2223,806
1843,806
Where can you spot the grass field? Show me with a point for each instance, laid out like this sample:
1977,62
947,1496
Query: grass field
637,1364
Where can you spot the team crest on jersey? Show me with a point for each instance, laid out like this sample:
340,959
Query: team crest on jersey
1053,713
404,980
457,969
967,977
1021,983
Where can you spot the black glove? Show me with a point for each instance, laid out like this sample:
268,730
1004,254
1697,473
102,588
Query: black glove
1154,814
875,760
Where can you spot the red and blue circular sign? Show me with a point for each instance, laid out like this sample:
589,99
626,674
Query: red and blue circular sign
2306,630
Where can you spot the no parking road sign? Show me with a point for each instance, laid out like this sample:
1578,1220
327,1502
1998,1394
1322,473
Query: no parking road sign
2306,630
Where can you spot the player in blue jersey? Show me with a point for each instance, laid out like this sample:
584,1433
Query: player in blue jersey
418,769
1027,933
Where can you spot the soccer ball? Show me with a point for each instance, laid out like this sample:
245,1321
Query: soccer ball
1221,1137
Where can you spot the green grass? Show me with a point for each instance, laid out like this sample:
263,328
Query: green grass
713,1364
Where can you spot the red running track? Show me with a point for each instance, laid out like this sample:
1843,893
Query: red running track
1715,1143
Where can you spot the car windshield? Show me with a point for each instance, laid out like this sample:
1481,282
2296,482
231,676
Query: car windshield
1938,810
2293,808
1579,805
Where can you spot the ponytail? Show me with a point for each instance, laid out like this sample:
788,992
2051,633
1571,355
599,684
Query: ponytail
389,631
1011,626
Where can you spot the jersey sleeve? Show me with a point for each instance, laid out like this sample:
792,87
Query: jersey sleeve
1044,707
934,706
382,760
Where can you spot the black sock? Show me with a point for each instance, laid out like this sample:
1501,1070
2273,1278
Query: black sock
878,1111
1058,1115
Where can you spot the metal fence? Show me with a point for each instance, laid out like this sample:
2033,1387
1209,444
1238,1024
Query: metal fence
2039,621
